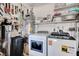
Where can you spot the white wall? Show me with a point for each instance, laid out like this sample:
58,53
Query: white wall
43,10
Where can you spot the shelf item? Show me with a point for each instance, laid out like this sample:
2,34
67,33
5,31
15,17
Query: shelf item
1,9
66,15
12,9
70,17
57,19
1,14
66,7
72,29
5,8
75,9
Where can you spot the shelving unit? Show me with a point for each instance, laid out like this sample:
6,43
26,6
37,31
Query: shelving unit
57,22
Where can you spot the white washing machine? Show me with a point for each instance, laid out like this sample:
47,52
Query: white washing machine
38,44
61,47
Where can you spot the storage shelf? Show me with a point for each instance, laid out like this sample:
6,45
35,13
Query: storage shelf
57,22
66,7
65,15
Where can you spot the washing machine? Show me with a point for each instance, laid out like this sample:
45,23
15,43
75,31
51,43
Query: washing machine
61,45
38,44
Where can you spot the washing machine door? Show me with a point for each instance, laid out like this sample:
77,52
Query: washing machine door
37,45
